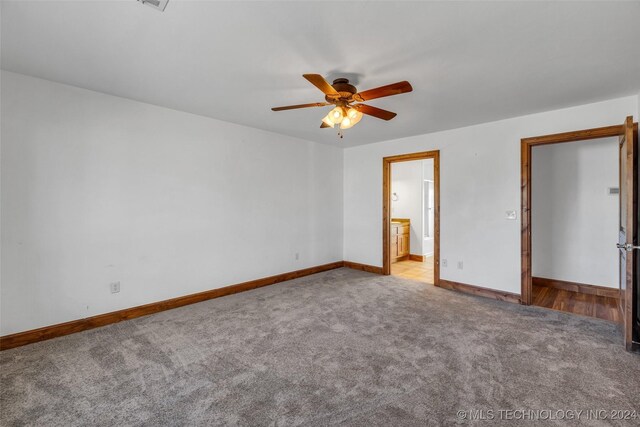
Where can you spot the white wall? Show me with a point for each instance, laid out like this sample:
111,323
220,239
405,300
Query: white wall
406,182
97,189
480,180
574,219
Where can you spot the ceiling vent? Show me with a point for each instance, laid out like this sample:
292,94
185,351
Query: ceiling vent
156,4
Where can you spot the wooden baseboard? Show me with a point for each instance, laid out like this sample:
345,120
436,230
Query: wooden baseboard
61,329
363,267
419,258
582,288
480,291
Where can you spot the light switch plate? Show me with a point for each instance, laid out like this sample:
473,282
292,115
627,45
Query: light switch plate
512,215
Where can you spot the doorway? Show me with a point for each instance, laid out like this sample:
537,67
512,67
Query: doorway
411,216
571,240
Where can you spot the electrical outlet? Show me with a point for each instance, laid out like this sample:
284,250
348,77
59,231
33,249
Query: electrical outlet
511,215
460,265
444,262
297,256
115,287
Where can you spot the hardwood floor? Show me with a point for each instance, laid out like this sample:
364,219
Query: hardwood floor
414,270
579,303
584,304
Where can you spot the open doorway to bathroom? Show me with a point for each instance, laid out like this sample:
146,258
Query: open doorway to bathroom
411,216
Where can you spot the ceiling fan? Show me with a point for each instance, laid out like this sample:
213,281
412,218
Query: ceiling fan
348,109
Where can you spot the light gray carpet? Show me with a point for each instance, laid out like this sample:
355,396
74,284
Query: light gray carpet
341,347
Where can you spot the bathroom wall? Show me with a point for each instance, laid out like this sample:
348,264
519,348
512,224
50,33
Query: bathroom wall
406,182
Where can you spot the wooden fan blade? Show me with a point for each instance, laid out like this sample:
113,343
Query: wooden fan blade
375,112
382,91
293,107
318,81
324,125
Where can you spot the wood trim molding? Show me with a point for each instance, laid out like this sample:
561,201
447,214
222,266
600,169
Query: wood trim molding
525,231
419,258
628,296
363,267
386,217
386,207
526,144
480,291
61,329
579,135
582,288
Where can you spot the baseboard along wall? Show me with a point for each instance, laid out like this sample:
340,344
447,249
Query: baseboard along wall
363,267
480,291
61,329
48,332
582,288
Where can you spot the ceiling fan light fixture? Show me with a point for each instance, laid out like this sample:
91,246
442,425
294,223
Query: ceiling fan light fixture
327,121
336,115
343,95
354,115
346,123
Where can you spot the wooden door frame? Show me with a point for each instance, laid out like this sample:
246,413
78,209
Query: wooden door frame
386,208
631,230
526,145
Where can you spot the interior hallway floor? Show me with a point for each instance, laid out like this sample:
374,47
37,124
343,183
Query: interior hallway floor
557,299
414,270
578,303
340,347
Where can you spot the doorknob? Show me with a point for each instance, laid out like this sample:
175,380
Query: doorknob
628,247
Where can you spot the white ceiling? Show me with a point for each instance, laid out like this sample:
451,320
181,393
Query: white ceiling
468,62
